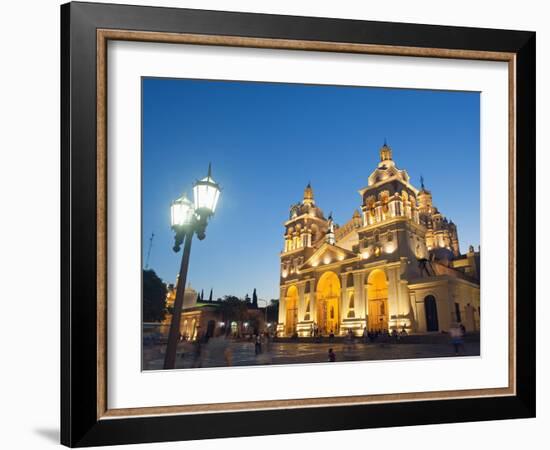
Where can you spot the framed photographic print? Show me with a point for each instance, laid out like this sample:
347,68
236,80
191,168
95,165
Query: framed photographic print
277,224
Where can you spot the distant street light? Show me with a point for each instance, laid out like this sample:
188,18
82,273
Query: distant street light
188,218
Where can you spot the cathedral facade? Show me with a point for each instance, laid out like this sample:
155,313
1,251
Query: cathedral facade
396,264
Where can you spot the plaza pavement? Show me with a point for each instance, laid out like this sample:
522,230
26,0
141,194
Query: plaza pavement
220,352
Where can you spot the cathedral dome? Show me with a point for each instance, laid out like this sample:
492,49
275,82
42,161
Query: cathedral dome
306,206
386,168
308,195
385,152
442,255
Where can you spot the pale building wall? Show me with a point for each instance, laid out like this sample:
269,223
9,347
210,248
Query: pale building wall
467,295
439,289
447,292
349,240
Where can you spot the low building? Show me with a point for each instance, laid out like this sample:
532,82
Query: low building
199,318
396,264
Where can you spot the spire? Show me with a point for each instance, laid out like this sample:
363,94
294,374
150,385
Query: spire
329,237
385,152
209,170
423,189
308,195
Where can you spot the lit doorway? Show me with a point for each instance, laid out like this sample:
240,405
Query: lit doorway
291,307
377,296
328,301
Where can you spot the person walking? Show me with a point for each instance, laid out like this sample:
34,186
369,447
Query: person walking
457,338
197,352
331,355
258,345
365,335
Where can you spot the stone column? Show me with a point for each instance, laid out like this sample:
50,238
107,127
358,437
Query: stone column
280,327
343,296
392,211
282,306
378,214
312,301
414,307
360,299
301,302
393,295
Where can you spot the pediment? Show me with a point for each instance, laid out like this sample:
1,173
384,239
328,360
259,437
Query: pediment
327,254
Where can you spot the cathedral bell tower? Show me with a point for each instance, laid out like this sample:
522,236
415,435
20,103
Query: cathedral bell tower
306,224
425,204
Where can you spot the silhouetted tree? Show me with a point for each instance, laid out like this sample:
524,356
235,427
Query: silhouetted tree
273,310
254,299
210,296
154,297
233,309
253,325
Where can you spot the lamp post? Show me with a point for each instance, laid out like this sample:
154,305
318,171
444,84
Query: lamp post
265,311
188,218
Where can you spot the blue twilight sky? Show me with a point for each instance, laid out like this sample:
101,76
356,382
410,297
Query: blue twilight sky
267,140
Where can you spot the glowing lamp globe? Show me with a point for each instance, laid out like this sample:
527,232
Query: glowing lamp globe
181,212
206,193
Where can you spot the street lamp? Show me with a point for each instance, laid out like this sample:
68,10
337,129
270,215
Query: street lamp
188,218
206,193
265,309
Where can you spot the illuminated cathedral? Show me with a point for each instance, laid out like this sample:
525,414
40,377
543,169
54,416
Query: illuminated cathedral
394,265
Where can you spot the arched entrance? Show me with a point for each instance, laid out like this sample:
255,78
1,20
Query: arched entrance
377,296
328,300
291,308
430,308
